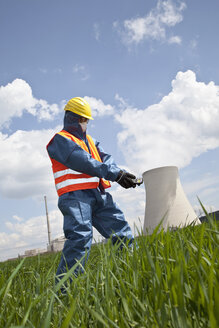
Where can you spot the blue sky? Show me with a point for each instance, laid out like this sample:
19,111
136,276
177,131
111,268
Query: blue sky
150,72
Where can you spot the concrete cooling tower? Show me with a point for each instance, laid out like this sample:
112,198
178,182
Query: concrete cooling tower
165,199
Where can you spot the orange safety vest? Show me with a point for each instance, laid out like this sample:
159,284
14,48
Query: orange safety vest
67,180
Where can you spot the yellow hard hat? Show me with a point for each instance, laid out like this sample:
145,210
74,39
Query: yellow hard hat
79,106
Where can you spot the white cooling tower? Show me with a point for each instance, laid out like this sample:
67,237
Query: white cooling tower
166,199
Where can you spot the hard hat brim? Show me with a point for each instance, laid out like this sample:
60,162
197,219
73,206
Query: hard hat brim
80,107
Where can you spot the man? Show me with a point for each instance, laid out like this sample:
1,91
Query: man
81,170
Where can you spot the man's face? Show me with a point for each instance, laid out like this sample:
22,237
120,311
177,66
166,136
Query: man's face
83,121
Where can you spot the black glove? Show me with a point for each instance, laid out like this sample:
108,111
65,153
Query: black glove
126,180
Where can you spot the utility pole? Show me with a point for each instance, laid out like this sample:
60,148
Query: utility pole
47,218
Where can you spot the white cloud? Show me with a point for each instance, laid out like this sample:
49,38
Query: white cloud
25,165
193,44
57,70
78,68
205,188
98,107
154,25
17,218
29,234
43,70
175,39
201,184
182,126
54,70
81,70
123,103
96,28
16,98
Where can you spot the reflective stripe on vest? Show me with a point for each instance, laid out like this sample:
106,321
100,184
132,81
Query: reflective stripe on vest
75,182
67,180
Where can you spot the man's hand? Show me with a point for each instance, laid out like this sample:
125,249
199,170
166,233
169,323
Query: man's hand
126,180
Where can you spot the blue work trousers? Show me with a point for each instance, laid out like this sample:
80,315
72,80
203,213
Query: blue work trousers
83,209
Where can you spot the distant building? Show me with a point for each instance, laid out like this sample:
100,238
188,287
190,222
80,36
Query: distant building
33,252
56,245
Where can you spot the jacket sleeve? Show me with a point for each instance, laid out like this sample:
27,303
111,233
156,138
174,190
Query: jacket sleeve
73,156
106,158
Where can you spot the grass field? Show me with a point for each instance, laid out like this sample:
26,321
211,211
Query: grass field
170,280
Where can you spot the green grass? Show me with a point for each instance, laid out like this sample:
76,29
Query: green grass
170,280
